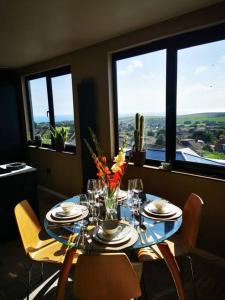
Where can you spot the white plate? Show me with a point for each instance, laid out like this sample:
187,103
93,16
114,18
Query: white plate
117,242
168,210
57,212
125,229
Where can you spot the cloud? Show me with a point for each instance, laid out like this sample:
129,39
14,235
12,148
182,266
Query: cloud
134,64
201,69
222,59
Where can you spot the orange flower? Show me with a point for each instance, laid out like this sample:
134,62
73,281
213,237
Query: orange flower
99,165
103,159
100,174
106,170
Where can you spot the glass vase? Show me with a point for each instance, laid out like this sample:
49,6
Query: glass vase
111,207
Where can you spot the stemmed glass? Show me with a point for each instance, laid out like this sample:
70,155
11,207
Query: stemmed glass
91,189
137,189
138,186
84,202
130,191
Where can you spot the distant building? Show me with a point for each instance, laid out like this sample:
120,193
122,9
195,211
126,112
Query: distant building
195,145
220,146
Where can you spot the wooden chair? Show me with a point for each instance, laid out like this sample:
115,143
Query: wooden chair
39,250
103,276
183,242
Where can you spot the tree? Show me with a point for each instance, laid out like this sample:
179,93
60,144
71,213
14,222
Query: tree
207,147
203,135
150,133
160,140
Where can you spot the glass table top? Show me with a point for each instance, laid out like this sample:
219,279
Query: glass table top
156,231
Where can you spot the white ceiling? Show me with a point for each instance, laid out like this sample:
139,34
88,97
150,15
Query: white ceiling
35,30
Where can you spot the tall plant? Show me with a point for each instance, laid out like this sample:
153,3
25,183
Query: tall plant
139,133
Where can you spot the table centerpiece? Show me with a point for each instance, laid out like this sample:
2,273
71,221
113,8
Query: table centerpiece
109,176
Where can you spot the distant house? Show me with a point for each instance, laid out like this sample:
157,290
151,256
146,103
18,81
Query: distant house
184,154
194,145
220,146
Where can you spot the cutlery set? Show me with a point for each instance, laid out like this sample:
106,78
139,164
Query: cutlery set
142,232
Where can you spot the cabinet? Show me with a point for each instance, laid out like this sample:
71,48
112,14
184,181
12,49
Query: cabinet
10,129
15,187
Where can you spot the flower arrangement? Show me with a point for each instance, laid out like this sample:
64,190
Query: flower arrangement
110,177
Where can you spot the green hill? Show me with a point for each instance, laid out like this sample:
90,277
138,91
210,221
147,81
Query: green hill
218,117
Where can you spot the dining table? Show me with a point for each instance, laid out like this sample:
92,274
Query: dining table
147,230
155,231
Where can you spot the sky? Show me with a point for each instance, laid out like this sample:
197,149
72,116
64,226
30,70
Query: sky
62,96
141,81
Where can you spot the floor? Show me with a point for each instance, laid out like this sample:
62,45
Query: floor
156,280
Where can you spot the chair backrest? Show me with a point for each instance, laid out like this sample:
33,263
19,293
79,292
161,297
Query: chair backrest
105,276
28,225
191,220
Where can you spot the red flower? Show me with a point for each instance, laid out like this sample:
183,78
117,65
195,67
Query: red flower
103,159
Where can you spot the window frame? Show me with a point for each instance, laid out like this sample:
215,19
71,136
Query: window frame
172,45
48,75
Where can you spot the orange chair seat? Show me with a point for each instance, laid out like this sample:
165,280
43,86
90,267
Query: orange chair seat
50,251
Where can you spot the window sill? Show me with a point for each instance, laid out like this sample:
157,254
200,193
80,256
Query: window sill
180,172
51,150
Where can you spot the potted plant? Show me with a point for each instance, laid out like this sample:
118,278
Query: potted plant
59,135
139,154
38,140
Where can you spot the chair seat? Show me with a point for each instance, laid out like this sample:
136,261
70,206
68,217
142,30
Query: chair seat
175,243
50,251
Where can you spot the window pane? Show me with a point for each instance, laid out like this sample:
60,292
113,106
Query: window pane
39,99
141,86
201,105
63,105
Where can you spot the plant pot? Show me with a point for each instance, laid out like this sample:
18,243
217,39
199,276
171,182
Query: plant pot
38,141
59,147
139,158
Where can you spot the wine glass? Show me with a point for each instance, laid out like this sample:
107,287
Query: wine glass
85,206
91,186
130,191
138,186
91,189
135,209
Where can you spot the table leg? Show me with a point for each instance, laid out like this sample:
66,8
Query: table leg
64,273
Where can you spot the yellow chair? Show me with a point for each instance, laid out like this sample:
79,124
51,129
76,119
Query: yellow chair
183,242
103,276
39,250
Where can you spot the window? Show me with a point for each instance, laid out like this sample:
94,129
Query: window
200,103
147,73
50,99
178,84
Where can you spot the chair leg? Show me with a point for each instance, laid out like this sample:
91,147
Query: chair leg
42,271
193,277
64,273
29,280
173,268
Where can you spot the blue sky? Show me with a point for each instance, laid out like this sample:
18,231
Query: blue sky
200,85
141,82
62,96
